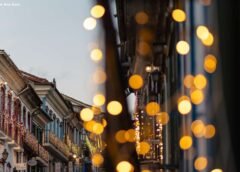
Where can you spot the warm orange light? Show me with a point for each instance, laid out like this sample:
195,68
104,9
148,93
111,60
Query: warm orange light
146,171
184,105
179,15
185,142
209,41
162,118
120,136
124,166
209,131
130,135
152,108
98,128
198,128
97,11
183,47
135,81
114,108
197,96
141,18
96,55
144,48
89,125
96,110
217,170
202,32
143,148
99,99
99,76
104,123
210,63
188,81
200,81
89,23
200,163
86,114
97,160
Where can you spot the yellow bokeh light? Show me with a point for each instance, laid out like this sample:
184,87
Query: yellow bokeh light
96,55
146,171
217,170
86,114
188,81
200,81
152,108
202,32
124,166
141,18
184,105
98,128
198,128
97,11
210,63
200,163
89,23
179,15
197,96
185,142
99,99
99,76
130,135
96,110
209,41
97,160
135,81
144,48
120,136
104,123
209,131
162,118
114,108
89,125
143,148
182,47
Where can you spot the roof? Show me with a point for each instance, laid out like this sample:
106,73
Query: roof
34,78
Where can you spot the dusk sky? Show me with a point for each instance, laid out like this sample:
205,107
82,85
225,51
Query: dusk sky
47,38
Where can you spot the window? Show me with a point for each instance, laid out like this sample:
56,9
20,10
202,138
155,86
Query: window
2,98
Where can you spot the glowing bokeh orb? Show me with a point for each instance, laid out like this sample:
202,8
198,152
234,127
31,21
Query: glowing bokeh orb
188,81
120,136
99,76
104,123
89,23
183,47
143,148
144,48
162,118
184,105
202,32
200,163
89,125
96,55
141,18
197,96
114,108
86,114
99,99
98,128
217,170
198,128
209,41
135,81
179,15
97,160
152,108
124,166
130,135
209,131
185,142
200,81
97,11
210,63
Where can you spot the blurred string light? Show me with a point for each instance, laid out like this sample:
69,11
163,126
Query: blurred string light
135,81
152,108
97,128
146,170
104,122
162,118
197,96
185,142
99,99
210,63
99,76
143,148
200,81
96,55
209,131
141,18
143,48
114,108
198,128
209,40
130,135
217,170
97,11
89,125
120,136
183,47
97,160
202,32
200,163
124,166
184,105
188,81
178,15
86,114
89,23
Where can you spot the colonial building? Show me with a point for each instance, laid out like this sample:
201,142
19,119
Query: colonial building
40,129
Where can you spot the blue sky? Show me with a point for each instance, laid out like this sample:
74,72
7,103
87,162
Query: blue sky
46,38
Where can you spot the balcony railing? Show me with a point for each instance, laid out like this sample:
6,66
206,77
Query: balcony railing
56,142
31,141
11,128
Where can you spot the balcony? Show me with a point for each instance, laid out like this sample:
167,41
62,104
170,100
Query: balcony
11,131
56,146
41,154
